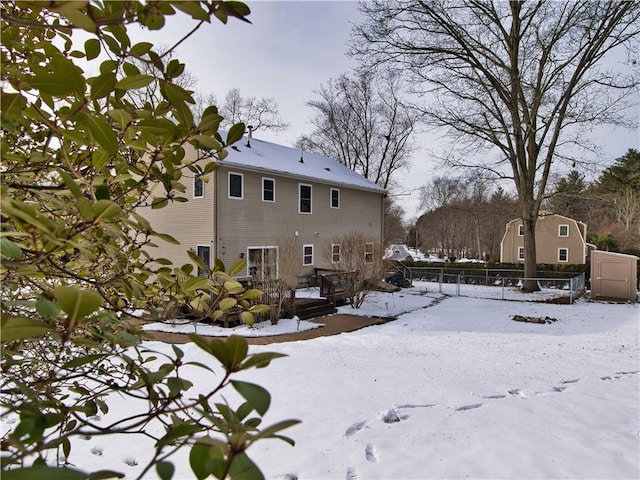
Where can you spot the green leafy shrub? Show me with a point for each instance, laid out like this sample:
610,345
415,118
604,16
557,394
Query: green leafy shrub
80,156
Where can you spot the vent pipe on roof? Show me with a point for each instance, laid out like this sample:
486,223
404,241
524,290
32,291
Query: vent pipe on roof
301,157
250,135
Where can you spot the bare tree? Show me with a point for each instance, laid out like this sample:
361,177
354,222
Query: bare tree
363,122
395,230
517,79
358,258
259,113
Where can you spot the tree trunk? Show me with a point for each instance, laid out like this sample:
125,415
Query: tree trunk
530,265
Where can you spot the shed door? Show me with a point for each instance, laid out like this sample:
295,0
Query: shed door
612,278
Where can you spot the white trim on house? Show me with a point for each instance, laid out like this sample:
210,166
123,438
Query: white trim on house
197,181
207,261
273,190
562,250
300,210
335,252
331,198
565,227
306,255
237,174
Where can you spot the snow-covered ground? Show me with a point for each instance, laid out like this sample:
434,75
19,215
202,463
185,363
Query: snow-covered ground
454,388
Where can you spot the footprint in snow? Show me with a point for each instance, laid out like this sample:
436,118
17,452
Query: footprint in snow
355,428
351,474
392,416
97,451
566,382
468,407
492,397
371,453
517,392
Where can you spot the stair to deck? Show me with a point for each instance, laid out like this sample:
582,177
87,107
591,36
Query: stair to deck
307,308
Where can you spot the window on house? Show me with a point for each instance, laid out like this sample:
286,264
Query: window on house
563,230
335,252
335,198
268,190
520,253
198,187
307,254
563,254
235,185
263,263
304,204
204,253
368,252
521,230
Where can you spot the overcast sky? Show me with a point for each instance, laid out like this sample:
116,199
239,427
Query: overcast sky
291,49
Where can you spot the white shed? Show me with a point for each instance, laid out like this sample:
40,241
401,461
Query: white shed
614,275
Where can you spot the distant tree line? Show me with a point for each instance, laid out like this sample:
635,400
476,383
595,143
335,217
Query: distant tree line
465,217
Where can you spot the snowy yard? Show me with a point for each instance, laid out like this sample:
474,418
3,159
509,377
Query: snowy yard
452,389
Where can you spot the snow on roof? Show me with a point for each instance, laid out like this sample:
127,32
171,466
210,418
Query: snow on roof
279,159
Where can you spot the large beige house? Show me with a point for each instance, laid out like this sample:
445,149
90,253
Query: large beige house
559,241
264,197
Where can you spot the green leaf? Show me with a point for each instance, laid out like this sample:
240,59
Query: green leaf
243,467
106,210
194,9
159,202
262,308
10,249
19,328
167,238
121,117
207,457
101,132
238,348
165,470
12,105
102,192
134,82
183,430
227,303
260,360
103,474
92,48
252,294
247,318
140,49
46,308
235,133
233,287
76,302
43,472
76,16
270,432
56,84
103,85
238,266
196,283
215,347
83,360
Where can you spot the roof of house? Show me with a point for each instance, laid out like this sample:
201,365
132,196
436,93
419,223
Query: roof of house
272,158
544,214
